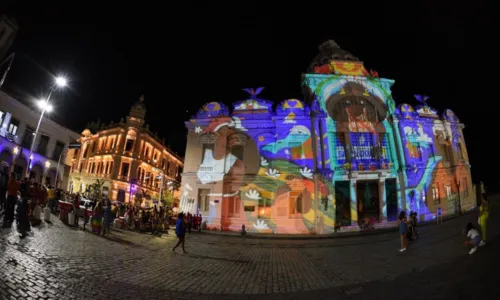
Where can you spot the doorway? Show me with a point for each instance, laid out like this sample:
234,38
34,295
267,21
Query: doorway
343,203
391,195
367,194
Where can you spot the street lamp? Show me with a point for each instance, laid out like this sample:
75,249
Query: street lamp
45,106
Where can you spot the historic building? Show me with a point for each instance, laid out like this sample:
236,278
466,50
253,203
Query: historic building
128,157
345,155
17,127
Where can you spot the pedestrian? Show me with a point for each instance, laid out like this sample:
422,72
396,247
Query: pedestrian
200,222
180,231
439,216
108,217
403,230
12,195
189,222
473,238
414,229
96,222
483,219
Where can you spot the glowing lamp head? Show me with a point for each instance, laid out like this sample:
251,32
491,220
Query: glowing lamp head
61,81
44,105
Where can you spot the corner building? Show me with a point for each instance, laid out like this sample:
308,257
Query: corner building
345,155
128,158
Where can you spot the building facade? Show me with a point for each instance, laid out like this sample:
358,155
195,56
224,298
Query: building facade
343,156
128,157
17,126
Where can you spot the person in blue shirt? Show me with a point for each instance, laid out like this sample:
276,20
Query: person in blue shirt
180,231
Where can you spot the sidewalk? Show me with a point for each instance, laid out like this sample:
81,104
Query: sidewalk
336,235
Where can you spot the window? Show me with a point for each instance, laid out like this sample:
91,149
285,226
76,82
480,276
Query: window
28,137
93,146
295,204
384,146
58,150
2,115
203,199
234,206
435,195
42,145
129,145
163,161
340,148
14,124
447,190
86,150
466,187
446,156
206,148
125,168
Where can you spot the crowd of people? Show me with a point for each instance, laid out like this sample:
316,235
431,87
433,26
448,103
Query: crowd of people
31,198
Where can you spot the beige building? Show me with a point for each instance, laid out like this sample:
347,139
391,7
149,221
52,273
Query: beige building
128,157
18,123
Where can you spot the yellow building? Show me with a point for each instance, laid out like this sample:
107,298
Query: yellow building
128,157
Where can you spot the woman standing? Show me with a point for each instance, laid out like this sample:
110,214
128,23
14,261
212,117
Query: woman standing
403,230
483,219
108,217
97,218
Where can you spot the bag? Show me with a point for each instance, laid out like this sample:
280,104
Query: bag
46,214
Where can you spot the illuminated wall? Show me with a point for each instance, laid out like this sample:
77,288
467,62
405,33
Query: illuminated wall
349,156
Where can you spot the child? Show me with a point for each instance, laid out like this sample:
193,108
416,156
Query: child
473,237
243,231
410,233
403,230
439,216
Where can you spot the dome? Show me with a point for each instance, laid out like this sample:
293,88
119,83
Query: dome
329,51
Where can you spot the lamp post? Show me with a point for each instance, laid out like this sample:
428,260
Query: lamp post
45,106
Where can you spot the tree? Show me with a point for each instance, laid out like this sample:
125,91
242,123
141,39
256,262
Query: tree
168,198
96,188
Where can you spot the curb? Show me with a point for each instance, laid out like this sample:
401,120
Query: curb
337,235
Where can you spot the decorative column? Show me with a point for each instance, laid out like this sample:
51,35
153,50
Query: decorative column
383,200
354,202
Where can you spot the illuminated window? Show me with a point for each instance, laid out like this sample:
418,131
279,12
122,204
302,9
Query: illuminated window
129,145
435,195
205,148
14,124
295,204
234,206
466,187
125,168
447,190
203,199
362,145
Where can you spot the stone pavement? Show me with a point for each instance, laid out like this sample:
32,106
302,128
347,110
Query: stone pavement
58,262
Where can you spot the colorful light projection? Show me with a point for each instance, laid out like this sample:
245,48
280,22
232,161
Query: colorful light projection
258,164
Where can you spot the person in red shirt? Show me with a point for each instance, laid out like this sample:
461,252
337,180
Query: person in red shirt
12,194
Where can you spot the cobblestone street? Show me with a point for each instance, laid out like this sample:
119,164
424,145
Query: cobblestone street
58,262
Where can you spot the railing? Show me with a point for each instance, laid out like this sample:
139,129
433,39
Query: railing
123,178
206,169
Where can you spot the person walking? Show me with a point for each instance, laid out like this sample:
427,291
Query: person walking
483,219
108,217
12,194
403,230
180,231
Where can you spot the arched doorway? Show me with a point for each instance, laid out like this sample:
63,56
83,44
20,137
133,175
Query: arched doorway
6,157
36,173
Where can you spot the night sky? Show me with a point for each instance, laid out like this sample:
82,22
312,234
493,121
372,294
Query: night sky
184,55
